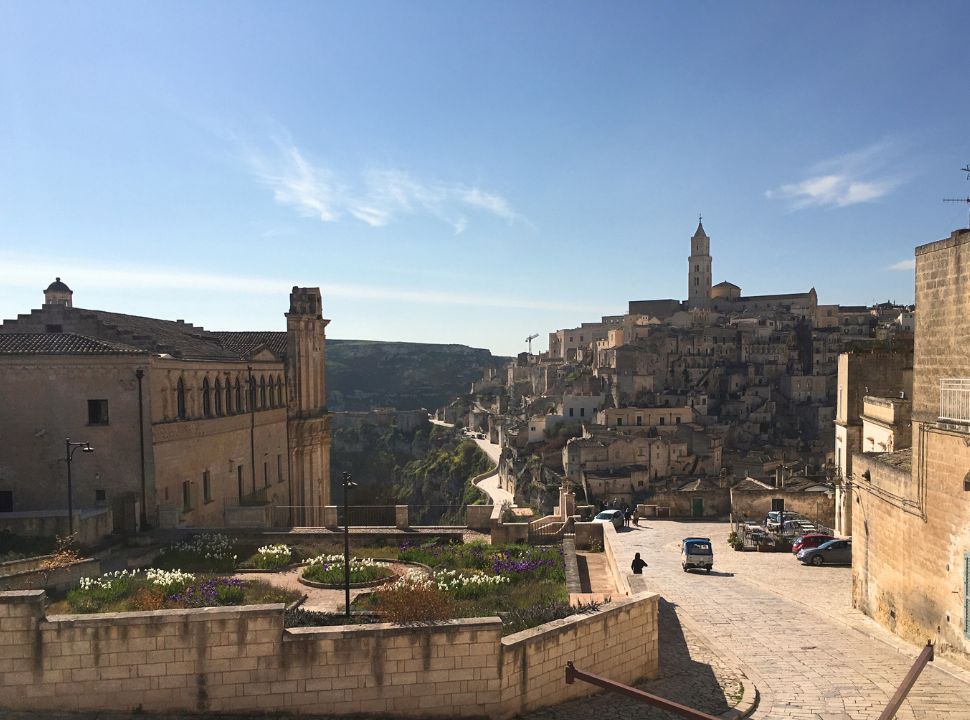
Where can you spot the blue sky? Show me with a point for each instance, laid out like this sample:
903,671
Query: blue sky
471,172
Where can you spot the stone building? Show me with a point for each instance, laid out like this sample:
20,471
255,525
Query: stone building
911,525
189,425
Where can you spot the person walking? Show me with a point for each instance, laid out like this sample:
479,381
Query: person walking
638,564
636,517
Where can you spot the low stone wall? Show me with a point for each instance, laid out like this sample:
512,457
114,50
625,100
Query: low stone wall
587,533
620,577
60,579
15,567
90,526
479,517
241,659
503,533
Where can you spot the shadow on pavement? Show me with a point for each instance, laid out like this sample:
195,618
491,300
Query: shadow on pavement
682,679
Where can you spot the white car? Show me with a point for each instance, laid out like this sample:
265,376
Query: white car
610,516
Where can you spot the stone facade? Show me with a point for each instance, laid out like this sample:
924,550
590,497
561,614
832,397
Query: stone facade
187,424
911,539
242,660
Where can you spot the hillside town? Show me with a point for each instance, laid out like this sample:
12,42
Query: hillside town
365,361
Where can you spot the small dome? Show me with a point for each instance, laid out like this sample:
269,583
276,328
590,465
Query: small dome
58,286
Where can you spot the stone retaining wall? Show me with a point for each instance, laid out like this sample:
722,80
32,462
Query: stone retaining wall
62,578
241,659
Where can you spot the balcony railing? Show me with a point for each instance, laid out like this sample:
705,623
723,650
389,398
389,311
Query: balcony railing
955,400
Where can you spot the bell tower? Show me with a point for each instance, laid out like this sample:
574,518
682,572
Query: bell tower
306,406
699,269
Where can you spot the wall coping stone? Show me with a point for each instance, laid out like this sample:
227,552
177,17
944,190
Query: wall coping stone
20,596
149,617
341,632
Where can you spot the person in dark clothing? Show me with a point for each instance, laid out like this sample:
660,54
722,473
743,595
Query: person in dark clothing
638,565
627,516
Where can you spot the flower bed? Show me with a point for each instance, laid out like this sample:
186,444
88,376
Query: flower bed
328,571
524,585
272,557
205,553
156,589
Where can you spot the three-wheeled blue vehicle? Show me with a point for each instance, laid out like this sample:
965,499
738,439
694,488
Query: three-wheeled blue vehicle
697,552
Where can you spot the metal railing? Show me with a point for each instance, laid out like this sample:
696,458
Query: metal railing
367,515
955,399
442,515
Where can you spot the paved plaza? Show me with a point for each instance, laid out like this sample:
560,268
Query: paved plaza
790,629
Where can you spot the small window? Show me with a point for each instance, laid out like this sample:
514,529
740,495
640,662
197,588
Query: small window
582,412
6,500
678,420
639,419
99,496
239,479
206,399
570,412
262,394
279,468
186,496
206,486
97,412
217,397
619,421
265,474
663,421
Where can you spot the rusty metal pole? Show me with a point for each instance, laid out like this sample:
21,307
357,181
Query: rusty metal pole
907,684
572,674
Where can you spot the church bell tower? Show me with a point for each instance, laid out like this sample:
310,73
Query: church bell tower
699,269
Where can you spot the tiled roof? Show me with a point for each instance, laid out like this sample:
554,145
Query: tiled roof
245,343
179,339
61,344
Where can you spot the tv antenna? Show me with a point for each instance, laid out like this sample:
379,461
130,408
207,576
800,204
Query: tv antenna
966,169
533,337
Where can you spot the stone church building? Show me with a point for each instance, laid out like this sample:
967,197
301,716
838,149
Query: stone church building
189,426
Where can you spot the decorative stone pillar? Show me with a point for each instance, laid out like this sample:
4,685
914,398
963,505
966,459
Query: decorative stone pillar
401,520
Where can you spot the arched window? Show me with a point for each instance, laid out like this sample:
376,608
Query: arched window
206,399
228,396
217,396
262,393
180,399
239,402
279,392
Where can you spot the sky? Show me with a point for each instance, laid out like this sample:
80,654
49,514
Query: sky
471,172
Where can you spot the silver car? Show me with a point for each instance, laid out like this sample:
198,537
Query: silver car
834,552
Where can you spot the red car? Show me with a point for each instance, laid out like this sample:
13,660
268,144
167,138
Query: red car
812,540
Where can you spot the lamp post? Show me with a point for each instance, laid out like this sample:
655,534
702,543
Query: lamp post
347,483
70,448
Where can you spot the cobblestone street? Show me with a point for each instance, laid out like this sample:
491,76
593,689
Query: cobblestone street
790,629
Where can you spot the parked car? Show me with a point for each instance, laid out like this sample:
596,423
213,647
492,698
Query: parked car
696,552
773,521
610,516
809,540
834,552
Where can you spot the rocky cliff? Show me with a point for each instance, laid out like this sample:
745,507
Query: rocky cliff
362,374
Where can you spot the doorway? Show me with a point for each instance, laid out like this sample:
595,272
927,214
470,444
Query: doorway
697,507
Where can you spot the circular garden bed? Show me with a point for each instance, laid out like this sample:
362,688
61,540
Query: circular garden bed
328,572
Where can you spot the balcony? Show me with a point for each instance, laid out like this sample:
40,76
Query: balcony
955,400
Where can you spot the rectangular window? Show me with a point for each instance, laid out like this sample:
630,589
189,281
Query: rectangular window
206,486
99,496
6,500
186,496
570,412
639,419
678,420
279,468
265,474
239,479
619,421
97,412
582,412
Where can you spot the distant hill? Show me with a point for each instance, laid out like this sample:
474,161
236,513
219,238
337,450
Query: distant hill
362,374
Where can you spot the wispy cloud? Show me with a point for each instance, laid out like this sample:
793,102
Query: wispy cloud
903,265
849,179
31,271
377,198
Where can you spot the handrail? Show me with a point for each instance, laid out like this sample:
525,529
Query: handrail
572,674
907,684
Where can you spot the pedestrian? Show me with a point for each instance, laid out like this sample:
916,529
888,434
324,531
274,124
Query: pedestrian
627,516
636,517
638,565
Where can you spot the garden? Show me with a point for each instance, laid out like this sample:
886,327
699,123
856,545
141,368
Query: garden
412,583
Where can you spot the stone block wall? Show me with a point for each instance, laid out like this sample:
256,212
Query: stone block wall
942,330
620,643
911,539
241,659
36,577
479,517
755,505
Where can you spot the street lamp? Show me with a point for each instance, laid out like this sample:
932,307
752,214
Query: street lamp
70,448
347,483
